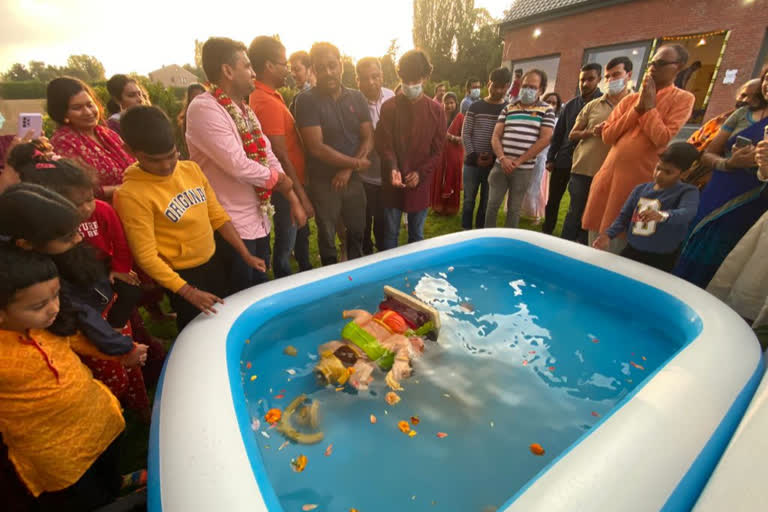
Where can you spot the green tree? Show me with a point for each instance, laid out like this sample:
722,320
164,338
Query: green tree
388,65
18,73
481,52
43,73
199,54
348,74
441,28
85,67
462,41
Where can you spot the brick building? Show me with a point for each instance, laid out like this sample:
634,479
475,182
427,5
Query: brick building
559,36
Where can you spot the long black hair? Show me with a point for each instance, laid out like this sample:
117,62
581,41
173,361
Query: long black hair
21,269
35,214
38,215
62,176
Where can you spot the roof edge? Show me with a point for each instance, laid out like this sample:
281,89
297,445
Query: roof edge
558,13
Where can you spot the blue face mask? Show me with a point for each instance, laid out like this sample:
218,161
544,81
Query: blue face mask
528,96
412,91
474,93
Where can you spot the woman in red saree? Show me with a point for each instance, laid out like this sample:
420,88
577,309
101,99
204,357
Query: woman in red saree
82,136
446,184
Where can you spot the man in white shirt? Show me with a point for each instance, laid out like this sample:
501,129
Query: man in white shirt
369,81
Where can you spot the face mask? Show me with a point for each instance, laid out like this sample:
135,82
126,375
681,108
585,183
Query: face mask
474,93
412,91
616,86
528,96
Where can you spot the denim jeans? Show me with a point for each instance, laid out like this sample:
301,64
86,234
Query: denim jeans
558,182
375,219
392,231
517,184
474,178
332,205
579,190
288,238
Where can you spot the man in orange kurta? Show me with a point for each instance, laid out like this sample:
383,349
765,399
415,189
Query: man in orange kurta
638,129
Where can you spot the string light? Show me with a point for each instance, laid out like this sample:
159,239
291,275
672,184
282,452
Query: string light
701,42
537,32
695,36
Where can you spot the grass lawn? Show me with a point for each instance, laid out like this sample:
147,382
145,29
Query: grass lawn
134,450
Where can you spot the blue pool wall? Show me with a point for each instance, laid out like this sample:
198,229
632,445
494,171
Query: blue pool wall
608,287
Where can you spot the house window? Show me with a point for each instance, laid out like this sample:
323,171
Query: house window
762,57
637,52
547,64
705,51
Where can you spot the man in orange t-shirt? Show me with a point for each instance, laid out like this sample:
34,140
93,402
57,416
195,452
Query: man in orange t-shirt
267,56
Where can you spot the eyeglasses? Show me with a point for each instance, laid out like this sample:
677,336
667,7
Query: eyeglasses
660,63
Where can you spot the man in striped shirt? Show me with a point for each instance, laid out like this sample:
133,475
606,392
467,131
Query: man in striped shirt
476,136
522,131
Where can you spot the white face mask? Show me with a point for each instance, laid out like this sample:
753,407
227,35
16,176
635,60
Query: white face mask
474,93
2,120
412,91
616,86
528,96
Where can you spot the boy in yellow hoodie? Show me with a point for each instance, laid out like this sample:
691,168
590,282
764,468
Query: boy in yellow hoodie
169,213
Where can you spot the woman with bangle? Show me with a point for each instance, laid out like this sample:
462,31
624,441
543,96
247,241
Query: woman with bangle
82,136
734,199
446,182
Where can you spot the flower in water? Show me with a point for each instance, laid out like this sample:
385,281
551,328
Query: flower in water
299,463
273,416
415,420
392,398
373,419
404,427
537,449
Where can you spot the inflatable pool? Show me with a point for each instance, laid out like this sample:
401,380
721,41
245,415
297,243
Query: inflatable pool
738,483
563,378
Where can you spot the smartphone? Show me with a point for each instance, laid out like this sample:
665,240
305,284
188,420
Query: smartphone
742,142
29,122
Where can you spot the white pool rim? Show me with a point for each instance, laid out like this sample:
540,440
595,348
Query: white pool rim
655,452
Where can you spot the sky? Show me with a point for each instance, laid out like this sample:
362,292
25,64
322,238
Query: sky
143,35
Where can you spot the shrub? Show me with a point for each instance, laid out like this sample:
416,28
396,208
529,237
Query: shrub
31,90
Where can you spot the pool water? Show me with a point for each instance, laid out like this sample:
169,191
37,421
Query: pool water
519,360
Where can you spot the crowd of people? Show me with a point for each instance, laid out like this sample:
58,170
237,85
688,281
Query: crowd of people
107,217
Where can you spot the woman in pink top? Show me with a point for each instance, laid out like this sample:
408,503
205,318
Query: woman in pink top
638,129
82,136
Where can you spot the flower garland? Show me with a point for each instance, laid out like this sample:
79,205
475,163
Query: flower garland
253,140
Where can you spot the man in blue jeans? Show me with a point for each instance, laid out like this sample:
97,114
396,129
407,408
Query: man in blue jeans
409,139
267,56
476,135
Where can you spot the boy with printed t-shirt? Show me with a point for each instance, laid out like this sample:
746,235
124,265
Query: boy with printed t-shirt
169,212
657,214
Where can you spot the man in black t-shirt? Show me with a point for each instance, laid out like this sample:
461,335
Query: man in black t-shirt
335,125
476,135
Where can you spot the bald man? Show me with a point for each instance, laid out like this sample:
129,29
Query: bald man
748,96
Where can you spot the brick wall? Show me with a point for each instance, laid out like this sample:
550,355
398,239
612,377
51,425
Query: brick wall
648,19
